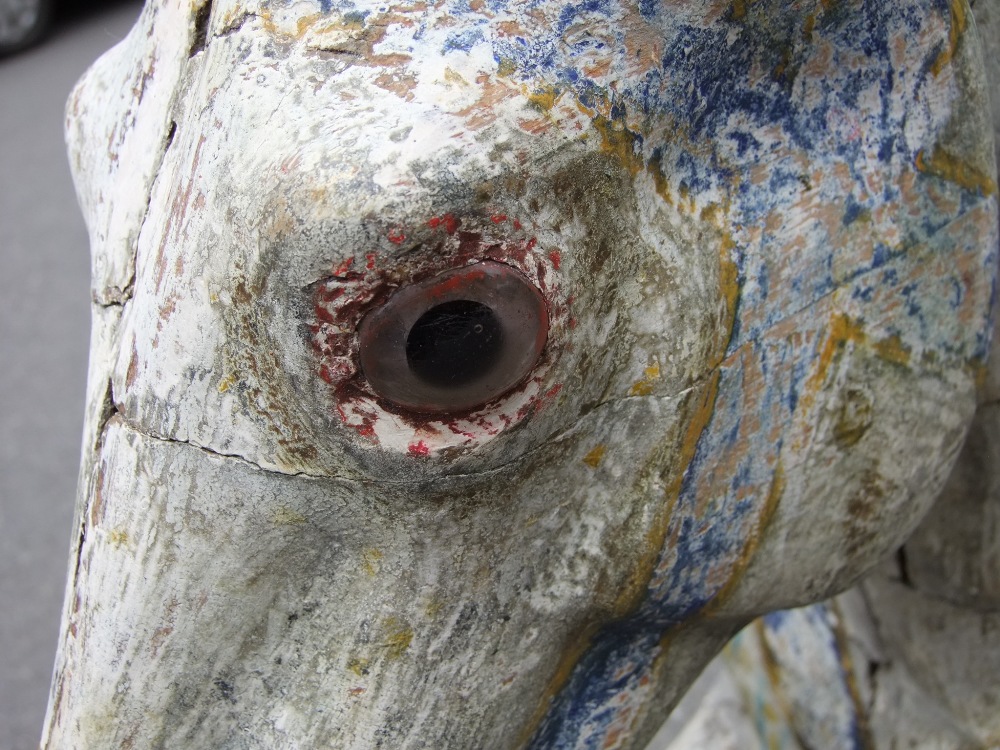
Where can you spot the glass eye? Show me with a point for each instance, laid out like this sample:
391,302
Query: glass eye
454,341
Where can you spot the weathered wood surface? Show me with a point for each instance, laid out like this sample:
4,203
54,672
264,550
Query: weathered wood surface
910,658
766,238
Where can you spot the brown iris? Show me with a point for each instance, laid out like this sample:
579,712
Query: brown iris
455,341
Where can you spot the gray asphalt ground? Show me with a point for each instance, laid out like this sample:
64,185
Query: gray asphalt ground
44,328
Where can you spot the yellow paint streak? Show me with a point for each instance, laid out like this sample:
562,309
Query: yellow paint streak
433,607
267,20
450,76
952,169
544,99
227,382
729,281
560,677
507,67
959,12
696,426
285,516
634,587
780,705
840,331
371,560
808,27
980,372
729,286
766,516
399,638
645,386
850,678
303,24
779,70
655,170
771,503
620,142
893,350
359,666
593,458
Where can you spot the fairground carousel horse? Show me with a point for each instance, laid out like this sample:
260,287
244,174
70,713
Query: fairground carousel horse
466,374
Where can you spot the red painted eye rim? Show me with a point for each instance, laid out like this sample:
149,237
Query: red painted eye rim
517,304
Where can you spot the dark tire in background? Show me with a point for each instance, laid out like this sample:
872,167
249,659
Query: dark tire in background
22,23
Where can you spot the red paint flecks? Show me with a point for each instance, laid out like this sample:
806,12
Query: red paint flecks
324,315
469,243
541,402
365,429
456,282
343,268
354,288
448,221
418,449
459,431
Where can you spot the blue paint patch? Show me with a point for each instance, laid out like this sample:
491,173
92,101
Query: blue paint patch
776,620
863,292
356,16
623,652
744,142
911,293
649,8
852,211
808,635
958,294
572,11
462,40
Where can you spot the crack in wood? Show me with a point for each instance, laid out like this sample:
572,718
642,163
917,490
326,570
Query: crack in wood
201,25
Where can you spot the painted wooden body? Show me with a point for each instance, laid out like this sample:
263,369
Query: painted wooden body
909,657
766,238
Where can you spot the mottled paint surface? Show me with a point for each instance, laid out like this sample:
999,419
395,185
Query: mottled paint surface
766,234
799,678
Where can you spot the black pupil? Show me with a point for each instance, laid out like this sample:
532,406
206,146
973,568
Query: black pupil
454,343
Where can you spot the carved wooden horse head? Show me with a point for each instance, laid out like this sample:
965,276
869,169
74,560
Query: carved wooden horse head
466,374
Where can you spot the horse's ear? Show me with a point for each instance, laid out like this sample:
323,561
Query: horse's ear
120,119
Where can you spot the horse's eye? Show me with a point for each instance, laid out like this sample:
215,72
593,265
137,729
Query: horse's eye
455,341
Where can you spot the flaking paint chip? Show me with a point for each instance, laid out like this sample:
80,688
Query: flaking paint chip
593,458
